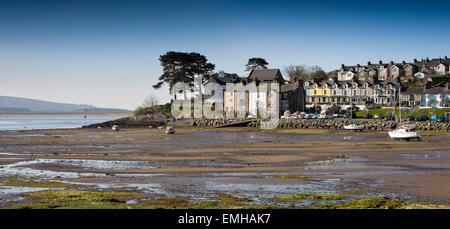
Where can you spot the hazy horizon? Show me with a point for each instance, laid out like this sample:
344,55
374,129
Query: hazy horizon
105,53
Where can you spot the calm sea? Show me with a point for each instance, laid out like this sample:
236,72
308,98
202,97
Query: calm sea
30,122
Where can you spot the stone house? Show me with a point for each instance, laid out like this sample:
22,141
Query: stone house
411,97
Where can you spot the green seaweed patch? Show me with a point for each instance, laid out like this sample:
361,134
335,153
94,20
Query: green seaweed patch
353,192
291,177
363,203
74,199
231,199
71,199
312,197
33,182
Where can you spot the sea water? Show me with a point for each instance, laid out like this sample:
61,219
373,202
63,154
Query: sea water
29,122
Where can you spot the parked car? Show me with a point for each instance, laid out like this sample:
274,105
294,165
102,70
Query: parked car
349,114
388,118
442,119
422,118
367,116
373,107
379,116
326,116
314,116
410,118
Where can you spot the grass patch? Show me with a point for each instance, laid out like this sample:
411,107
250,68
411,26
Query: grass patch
416,113
363,203
312,197
33,182
291,177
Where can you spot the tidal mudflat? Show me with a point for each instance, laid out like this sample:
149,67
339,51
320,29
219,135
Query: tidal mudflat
222,168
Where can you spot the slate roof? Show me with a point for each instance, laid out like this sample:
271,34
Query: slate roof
265,74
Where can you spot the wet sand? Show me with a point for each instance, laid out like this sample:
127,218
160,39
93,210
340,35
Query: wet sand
200,163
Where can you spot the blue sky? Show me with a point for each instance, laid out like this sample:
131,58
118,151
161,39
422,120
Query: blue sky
105,53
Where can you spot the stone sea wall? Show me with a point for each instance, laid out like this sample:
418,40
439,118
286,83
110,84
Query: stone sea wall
369,124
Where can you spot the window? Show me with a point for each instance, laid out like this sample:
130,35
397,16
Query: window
315,92
382,78
371,73
324,92
354,92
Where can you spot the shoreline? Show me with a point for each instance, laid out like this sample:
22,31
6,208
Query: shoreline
248,161
68,114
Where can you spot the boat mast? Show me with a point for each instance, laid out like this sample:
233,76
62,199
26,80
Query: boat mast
400,105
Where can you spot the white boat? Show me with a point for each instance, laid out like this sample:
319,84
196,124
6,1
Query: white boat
170,130
115,127
405,132
354,127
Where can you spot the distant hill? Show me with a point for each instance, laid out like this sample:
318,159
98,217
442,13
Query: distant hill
17,105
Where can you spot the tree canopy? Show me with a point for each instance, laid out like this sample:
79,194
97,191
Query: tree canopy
304,72
256,63
182,67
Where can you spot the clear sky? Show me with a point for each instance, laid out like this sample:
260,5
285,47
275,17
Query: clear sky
105,53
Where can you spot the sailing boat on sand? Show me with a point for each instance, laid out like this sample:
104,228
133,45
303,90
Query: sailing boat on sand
406,132
353,125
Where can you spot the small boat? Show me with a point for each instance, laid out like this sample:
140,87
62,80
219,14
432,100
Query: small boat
115,127
405,132
354,126
170,130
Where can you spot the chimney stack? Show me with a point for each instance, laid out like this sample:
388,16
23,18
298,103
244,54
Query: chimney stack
358,65
403,62
428,60
415,60
342,65
391,62
380,62
445,57
368,63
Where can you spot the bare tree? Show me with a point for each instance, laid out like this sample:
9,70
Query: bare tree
304,72
150,101
297,72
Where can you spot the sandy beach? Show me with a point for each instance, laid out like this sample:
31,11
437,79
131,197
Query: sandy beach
200,164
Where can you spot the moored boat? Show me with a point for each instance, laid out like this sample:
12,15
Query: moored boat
354,127
405,132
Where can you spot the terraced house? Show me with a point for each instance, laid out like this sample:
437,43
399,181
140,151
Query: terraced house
378,83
